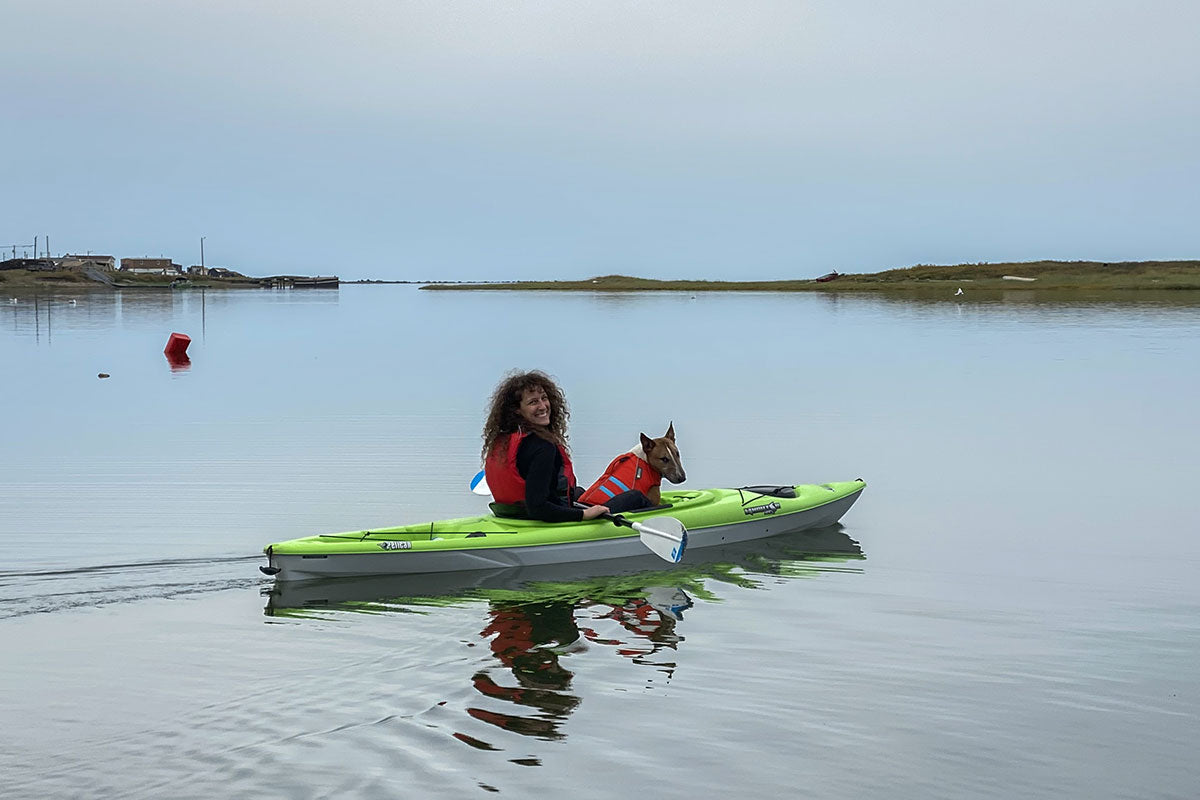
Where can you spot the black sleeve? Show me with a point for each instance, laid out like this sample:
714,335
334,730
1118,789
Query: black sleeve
540,463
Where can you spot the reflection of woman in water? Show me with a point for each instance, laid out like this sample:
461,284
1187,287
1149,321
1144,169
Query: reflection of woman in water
528,639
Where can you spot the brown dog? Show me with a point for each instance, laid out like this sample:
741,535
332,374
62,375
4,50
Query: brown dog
663,457
641,468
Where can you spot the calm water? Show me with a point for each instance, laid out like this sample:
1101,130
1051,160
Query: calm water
1011,610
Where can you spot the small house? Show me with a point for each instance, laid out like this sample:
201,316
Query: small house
150,266
75,260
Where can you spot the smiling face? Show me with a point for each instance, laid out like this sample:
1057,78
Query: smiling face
534,409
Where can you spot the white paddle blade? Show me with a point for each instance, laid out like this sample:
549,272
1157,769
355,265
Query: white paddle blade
479,484
669,600
665,537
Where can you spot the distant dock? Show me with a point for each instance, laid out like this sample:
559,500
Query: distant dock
301,282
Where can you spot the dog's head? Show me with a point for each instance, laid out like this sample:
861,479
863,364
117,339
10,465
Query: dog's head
663,455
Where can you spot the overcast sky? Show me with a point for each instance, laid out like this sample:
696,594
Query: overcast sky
476,140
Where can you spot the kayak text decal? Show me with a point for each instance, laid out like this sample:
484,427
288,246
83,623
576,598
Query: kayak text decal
397,545
765,508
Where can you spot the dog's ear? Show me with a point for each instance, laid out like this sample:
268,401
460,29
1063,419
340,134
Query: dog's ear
647,443
671,431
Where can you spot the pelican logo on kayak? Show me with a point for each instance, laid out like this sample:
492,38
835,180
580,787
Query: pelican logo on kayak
398,545
765,508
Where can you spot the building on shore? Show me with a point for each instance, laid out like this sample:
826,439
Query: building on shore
150,266
108,263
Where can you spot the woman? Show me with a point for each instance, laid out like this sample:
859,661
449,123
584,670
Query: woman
525,456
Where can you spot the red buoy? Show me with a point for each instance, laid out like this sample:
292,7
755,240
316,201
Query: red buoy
177,345
176,351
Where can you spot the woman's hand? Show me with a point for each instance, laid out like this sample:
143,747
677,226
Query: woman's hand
591,512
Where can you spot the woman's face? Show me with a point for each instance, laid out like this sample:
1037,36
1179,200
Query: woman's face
535,407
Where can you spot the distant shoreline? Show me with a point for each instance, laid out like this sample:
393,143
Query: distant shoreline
1075,275
1029,275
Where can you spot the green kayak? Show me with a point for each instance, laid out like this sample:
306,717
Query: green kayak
711,517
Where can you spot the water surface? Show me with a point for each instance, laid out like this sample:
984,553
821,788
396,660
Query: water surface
1011,610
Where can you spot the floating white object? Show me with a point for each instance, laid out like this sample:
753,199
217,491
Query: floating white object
960,291
1017,278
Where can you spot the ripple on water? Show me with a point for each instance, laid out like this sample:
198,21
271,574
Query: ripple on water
48,591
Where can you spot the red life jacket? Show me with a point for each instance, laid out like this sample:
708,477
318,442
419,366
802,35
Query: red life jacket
625,472
503,478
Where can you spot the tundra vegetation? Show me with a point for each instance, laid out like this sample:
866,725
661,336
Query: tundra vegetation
1074,275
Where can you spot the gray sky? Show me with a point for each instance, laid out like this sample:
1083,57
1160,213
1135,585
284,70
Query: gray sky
476,140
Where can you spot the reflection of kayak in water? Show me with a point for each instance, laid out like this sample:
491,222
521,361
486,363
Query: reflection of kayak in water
713,517
789,554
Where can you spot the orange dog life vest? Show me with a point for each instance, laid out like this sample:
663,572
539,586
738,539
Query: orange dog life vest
624,473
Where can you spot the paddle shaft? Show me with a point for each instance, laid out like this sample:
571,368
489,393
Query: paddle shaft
617,519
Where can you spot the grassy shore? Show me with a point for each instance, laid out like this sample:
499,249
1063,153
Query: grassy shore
1074,275
28,279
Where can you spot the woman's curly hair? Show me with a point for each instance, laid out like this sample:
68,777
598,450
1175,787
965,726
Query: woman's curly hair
503,418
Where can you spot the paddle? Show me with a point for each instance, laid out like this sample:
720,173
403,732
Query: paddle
479,485
666,537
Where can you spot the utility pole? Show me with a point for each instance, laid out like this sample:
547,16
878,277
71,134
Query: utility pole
201,255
